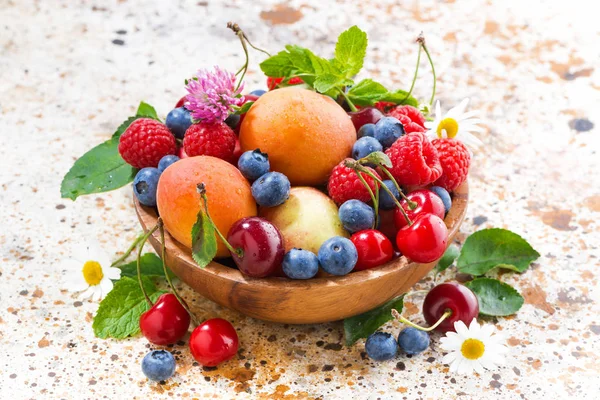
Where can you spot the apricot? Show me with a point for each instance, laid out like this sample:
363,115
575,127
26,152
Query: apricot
228,192
304,133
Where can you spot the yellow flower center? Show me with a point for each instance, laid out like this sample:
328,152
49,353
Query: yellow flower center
92,272
472,349
450,125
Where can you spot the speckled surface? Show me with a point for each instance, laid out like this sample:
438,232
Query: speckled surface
73,70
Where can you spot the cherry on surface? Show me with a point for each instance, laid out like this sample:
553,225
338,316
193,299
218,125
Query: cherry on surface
367,115
213,342
166,322
427,203
373,248
452,296
425,240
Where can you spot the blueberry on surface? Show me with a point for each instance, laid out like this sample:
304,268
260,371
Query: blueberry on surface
338,255
381,346
271,189
300,264
413,341
356,215
253,164
178,121
145,184
388,130
158,365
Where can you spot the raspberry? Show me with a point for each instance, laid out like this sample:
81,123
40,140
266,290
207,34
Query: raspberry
273,82
414,160
384,105
407,123
411,112
455,160
217,140
145,142
344,184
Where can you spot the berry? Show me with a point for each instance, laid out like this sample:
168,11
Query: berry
166,321
444,195
427,203
384,106
166,161
367,115
233,121
300,264
217,140
453,296
145,142
145,184
373,248
385,200
181,153
158,365
237,153
261,244
337,255
455,160
180,102
253,164
365,146
388,130
414,160
344,184
366,130
273,82
408,125
213,342
271,189
413,341
258,92
381,346
413,114
356,215
178,121
425,240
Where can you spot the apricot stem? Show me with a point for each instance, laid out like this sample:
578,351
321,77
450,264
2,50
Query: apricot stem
138,263
399,317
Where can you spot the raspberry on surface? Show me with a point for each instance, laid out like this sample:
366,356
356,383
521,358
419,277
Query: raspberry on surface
414,160
344,184
145,142
411,112
455,160
216,140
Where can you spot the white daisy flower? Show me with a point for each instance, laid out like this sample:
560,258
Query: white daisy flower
90,272
473,348
456,124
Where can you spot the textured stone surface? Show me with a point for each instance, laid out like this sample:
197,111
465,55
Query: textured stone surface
71,71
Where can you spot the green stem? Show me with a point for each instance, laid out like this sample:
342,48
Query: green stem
138,265
432,71
254,47
128,251
411,204
350,104
399,317
373,198
237,251
412,86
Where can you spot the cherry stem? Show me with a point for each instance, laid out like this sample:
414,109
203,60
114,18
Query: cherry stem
243,40
374,198
412,86
399,317
128,251
138,265
411,204
421,41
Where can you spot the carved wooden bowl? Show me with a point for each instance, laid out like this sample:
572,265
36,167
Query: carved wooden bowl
321,299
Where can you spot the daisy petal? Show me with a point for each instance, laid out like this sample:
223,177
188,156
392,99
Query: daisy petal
450,357
461,329
87,294
113,273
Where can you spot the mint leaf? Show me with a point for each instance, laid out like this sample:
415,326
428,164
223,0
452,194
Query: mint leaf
123,127
150,266
350,50
361,326
490,248
368,92
300,59
377,158
328,81
399,97
119,313
448,258
145,110
245,107
99,170
495,298
279,65
204,242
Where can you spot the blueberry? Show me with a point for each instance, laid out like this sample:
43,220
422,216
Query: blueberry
271,189
167,161
145,184
381,346
413,341
388,130
158,365
300,264
385,200
444,195
365,146
366,130
178,121
258,92
253,164
232,121
338,255
356,216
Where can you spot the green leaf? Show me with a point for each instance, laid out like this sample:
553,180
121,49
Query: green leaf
150,265
279,65
495,298
145,110
204,242
490,248
400,97
119,313
350,50
123,127
300,59
245,107
326,82
448,258
99,170
361,326
378,158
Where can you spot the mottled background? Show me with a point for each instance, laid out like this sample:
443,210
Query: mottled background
72,70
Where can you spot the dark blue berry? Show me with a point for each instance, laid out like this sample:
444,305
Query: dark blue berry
444,195
365,146
300,264
338,255
145,184
166,161
381,346
253,164
158,365
258,92
388,130
356,215
178,121
366,130
271,189
413,341
232,121
385,200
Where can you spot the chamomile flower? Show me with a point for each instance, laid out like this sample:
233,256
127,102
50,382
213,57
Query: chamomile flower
89,272
456,123
473,349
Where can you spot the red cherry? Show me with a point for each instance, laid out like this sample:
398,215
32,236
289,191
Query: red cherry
213,342
237,153
166,321
181,153
262,246
452,296
180,102
425,240
427,203
273,82
367,115
373,249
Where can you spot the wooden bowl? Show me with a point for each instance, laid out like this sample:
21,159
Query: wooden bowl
316,300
